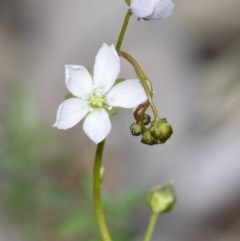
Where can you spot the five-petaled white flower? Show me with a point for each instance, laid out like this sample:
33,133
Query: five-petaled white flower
93,96
152,9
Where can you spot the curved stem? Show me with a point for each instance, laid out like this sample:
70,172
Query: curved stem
139,114
143,78
151,226
97,193
123,30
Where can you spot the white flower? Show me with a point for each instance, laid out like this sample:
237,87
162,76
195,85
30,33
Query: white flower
152,9
93,96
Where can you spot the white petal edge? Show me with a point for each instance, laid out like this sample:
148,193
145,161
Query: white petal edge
106,68
142,8
127,94
97,125
162,9
70,112
78,80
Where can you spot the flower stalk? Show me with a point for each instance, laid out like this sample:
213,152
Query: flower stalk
151,226
97,179
143,79
123,30
97,193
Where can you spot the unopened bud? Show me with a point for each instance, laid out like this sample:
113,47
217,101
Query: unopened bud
148,139
146,119
136,129
162,199
152,9
161,130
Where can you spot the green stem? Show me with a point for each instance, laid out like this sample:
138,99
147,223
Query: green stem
151,226
123,30
97,193
143,78
98,159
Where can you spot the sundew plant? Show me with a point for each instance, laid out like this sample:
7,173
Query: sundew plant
96,94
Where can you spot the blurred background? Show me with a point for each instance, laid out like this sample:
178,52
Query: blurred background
193,61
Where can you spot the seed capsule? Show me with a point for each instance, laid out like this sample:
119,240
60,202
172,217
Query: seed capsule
161,130
148,139
136,129
146,119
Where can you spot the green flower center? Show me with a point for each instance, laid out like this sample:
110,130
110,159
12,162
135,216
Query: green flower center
97,101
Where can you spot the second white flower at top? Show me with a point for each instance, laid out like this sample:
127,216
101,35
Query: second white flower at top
152,9
94,96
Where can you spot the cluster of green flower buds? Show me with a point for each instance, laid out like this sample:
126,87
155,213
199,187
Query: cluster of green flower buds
162,199
136,128
158,132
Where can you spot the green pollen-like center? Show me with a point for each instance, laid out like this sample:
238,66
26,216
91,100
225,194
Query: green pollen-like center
97,101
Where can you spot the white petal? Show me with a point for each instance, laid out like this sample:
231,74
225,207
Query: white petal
127,94
162,9
78,80
142,8
97,125
106,68
70,112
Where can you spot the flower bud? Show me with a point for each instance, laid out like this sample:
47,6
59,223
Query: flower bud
161,130
136,129
146,119
148,139
162,199
152,9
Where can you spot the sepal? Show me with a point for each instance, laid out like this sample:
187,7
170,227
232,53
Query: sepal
128,2
113,111
69,95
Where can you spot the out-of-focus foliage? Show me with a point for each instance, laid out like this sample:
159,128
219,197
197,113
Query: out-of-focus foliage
81,222
40,189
